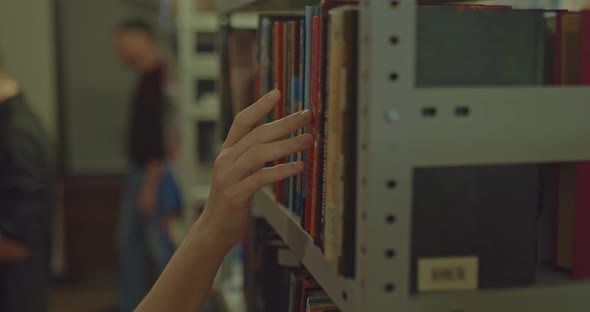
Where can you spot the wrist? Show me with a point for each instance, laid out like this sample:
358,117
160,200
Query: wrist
214,242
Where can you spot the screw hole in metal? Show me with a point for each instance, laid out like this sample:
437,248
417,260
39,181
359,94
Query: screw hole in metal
391,184
389,288
462,111
390,219
428,111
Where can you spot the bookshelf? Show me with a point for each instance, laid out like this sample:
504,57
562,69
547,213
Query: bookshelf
299,241
470,126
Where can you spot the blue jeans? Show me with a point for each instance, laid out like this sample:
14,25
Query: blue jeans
141,237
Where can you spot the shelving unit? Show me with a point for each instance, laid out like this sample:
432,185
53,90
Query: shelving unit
299,241
194,65
472,126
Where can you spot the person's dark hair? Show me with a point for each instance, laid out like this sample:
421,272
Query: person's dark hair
137,24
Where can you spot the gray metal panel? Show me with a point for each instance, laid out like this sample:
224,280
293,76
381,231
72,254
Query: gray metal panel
384,281
571,297
533,124
284,223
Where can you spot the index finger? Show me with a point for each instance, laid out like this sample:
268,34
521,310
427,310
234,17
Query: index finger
249,117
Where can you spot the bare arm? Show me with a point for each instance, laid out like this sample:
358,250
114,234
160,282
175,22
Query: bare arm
239,174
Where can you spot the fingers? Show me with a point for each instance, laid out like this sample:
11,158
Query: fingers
249,117
266,176
257,156
272,131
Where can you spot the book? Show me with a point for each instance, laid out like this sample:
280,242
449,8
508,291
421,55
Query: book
333,212
299,185
340,212
581,252
317,224
294,28
295,288
309,287
312,186
310,11
348,154
279,72
288,65
567,47
456,210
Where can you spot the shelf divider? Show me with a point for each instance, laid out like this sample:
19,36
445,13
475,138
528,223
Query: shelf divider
302,245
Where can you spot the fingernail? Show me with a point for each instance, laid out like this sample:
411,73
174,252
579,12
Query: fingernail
305,140
273,94
298,165
305,116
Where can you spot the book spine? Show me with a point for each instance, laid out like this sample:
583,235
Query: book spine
349,143
306,192
286,98
581,252
278,74
330,219
265,70
295,47
312,160
299,179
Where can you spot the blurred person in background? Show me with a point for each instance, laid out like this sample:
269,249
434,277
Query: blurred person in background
27,200
151,196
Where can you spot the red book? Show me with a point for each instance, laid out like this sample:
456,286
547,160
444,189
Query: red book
312,190
279,84
581,249
308,284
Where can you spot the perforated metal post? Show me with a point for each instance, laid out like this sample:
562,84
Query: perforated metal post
387,36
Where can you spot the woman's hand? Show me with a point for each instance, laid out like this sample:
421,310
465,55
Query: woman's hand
239,169
239,173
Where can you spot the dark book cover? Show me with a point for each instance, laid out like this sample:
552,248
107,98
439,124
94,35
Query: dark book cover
350,111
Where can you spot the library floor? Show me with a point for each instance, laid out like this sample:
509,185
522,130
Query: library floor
92,296
82,297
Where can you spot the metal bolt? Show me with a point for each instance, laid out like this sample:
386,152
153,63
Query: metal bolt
392,115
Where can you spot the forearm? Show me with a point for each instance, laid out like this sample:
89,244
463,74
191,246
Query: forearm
185,283
11,250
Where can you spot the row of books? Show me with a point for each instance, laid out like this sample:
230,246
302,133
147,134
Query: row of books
569,34
312,59
306,295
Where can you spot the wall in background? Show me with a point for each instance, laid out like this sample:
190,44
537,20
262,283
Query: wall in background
28,45
96,87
